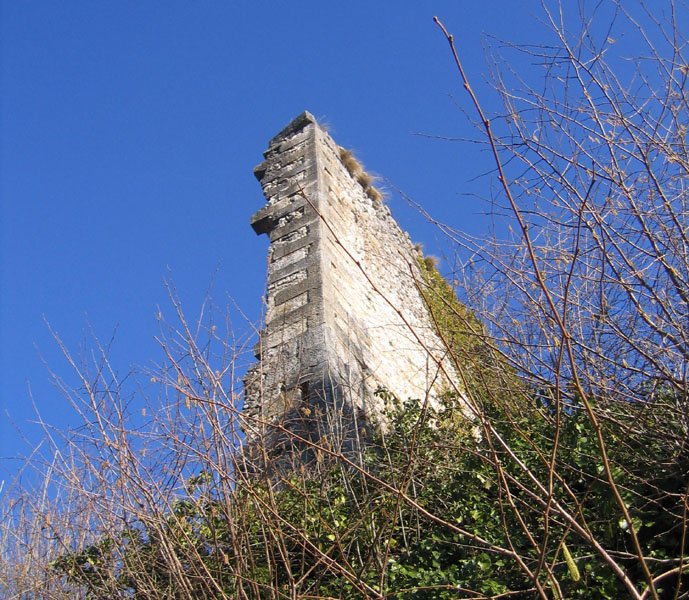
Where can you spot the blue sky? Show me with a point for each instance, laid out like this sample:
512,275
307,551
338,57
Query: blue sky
128,135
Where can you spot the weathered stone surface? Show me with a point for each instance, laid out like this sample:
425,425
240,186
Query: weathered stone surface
344,316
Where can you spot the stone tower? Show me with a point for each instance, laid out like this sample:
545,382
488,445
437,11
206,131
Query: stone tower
344,314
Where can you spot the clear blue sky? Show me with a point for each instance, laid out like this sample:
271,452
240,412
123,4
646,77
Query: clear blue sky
129,131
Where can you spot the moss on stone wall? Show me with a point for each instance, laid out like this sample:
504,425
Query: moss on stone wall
456,324
482,369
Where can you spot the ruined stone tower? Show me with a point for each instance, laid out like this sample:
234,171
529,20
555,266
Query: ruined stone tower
344,314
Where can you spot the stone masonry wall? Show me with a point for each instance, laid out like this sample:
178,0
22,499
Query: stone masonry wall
344,316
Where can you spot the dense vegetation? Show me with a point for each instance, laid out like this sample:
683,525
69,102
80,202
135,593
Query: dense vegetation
433,512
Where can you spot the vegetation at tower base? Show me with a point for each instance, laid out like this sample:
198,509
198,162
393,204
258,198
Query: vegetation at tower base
426,517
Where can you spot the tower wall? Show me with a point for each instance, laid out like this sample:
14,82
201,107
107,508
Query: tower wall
344,315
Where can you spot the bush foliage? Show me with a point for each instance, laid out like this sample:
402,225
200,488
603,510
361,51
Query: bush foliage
434,512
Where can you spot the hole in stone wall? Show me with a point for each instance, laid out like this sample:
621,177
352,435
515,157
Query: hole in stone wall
304,391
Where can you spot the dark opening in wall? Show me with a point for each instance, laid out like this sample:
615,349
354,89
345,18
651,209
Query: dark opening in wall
304,391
